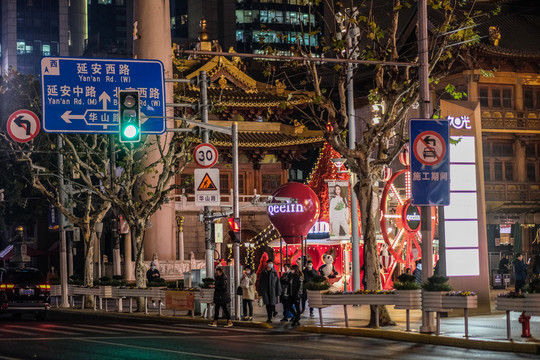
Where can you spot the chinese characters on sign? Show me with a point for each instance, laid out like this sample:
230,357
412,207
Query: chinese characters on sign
206,187
81,95
430,162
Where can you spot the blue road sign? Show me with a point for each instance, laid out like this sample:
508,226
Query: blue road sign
81,95
430,162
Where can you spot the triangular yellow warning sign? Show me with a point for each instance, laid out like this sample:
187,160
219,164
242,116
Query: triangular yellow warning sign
207,183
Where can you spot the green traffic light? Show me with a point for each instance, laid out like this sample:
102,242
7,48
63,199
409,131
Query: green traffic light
130,131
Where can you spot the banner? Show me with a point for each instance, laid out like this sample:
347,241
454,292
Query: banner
338,195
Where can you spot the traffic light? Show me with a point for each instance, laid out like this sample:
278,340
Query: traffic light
235,229
130,125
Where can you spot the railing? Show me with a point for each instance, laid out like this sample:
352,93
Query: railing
510,119
186,201
512,191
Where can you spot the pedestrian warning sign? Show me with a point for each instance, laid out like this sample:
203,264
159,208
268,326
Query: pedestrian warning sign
206,183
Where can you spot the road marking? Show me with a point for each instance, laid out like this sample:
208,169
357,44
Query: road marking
161,350
89,328
16,331
9,358
129,328
206,328
46,330
167,329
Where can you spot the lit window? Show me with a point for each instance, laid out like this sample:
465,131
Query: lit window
20,47
46,50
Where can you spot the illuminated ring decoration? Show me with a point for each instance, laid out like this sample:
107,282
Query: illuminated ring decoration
400,222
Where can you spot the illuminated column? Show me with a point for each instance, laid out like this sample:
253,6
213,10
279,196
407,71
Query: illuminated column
520,163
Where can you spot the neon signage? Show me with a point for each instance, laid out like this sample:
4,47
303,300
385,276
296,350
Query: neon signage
460,122
285,208
320,227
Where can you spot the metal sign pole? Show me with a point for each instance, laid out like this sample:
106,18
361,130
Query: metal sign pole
426,231
203,85
236,215
63,250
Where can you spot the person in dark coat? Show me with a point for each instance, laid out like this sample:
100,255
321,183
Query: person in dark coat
309,274
418,272
269,289
295,289
504,265
222,297
520,272
284,281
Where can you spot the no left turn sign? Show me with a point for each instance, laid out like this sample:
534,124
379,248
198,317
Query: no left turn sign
23,126
429,148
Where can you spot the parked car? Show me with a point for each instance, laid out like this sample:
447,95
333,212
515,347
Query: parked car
24,291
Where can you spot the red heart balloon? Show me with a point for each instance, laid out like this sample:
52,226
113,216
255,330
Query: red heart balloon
295,217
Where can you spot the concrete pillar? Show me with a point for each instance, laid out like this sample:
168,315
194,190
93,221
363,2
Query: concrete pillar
154,42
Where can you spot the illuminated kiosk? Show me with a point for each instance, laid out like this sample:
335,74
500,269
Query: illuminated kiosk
465,237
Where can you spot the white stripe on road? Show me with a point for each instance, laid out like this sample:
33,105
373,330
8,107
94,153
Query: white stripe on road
166,328
129,328
98,329
16,331
161,350
44,329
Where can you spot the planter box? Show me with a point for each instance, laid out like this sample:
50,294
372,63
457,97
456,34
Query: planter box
408,299
205,296
460,302
532,304
86,291
106,292
148,293
358,299
56,290
315,299
432,300
510,304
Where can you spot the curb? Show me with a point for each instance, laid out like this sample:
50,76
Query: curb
493,345
183,319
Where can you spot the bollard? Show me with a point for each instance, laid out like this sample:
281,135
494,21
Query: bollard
525,325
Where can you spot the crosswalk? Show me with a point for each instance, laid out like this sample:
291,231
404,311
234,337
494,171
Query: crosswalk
47,330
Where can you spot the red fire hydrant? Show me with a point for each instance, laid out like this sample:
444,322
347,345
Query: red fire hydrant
525,325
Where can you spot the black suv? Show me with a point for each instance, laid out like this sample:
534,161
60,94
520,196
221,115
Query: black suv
24,290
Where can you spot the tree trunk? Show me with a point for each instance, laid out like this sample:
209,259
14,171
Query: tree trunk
140,269
88,237
372,272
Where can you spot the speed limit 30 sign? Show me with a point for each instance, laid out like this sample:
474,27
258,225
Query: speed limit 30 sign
205,155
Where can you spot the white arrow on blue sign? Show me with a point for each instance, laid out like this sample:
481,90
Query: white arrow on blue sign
81,95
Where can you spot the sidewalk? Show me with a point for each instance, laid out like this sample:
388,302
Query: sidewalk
487,332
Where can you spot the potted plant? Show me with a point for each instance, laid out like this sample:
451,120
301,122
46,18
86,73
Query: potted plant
408,292
315,289
433,290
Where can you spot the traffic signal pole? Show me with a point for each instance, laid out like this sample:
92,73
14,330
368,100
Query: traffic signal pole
236,214
63,251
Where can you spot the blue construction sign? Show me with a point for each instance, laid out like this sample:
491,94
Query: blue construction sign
430,162
81,95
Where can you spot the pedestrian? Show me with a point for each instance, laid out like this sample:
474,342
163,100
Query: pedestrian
52,276
295,288
309,274
248,292
520,272
269,289
418,272
504,265
153,275
222,297
536,266
284,281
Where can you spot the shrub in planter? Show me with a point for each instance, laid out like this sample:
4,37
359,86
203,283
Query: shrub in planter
318,283
533,287
175,284
75,279
156,283
206,282
406,282
437,283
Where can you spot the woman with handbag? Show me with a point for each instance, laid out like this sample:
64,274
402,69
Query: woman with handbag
222,297
248,292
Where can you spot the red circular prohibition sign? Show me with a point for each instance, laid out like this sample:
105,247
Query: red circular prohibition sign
423,149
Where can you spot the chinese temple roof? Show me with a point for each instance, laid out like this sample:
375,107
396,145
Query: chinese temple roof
231,87
266,135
